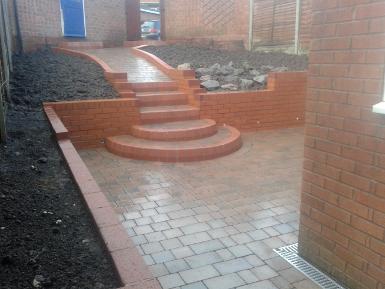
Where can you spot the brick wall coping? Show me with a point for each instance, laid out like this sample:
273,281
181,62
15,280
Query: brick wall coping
163,66
129,264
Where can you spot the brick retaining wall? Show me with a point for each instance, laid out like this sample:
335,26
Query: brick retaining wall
89,122
281,105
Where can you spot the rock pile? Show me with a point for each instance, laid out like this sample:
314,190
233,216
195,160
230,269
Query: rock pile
228,77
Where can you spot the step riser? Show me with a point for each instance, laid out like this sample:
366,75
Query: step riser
199,154
160,117
152,89
181,135
121,86
145,86
127,94
148,103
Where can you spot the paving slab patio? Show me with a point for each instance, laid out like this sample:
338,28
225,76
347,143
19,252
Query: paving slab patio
212,224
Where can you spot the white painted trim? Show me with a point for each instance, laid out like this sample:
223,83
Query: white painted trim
61,19
380,107
84,20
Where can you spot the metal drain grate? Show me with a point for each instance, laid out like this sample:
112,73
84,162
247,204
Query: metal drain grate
290,254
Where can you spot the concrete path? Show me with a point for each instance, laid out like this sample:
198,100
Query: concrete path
122,60
212,224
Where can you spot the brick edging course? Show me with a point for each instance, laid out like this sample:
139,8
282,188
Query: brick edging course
129,264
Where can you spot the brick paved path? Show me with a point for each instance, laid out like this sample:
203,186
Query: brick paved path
212,224
122,60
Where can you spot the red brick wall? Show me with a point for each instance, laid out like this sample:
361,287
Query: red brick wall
216,19
106,21
343,197
89,122
282,105
40,22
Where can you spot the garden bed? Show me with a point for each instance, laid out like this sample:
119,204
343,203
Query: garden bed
233,70
47,238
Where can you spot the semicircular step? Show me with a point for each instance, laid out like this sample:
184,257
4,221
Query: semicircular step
225,141
176,131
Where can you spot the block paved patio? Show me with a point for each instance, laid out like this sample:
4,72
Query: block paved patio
212,224
121,59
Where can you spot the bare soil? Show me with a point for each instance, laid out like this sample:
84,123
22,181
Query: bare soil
47,238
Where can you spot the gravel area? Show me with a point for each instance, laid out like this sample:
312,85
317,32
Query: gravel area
237,69
47,238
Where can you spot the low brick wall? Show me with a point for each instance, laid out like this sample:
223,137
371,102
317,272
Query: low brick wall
281,105
89,122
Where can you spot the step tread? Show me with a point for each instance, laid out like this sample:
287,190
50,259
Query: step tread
224,135
176,126
167,108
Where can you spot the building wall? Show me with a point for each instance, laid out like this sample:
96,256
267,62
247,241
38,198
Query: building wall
106,21
343,196
40,22
216,19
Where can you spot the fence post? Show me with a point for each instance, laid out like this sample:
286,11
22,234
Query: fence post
297,26
251,24
4,67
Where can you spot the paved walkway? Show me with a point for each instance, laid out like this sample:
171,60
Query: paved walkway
122,60
212,224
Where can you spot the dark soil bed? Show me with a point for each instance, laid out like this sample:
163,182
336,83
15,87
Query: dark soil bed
47,238
249,62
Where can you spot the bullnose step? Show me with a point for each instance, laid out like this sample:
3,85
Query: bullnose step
169,113
176,131
225,141
161,98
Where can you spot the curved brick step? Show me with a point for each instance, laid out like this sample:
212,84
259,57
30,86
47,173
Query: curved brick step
176,131
169,113
226,141
161,98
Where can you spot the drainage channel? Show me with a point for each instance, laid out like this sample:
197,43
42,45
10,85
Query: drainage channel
290,254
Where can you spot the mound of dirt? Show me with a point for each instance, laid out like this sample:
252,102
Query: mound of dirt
47,238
